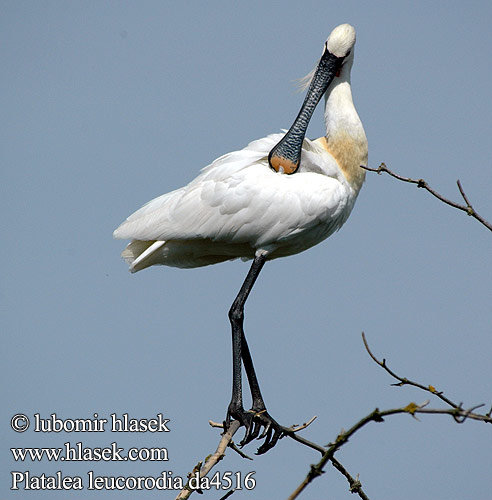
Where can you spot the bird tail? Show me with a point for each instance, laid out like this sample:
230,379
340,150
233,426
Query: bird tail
140,254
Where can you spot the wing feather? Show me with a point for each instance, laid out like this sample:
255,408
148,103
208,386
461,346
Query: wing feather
239,199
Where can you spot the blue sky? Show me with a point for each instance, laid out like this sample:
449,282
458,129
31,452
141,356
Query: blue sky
106,105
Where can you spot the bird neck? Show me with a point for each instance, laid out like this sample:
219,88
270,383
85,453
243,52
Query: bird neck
345,138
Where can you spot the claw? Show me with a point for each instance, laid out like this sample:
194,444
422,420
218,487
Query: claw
268,437
256,430
269,444
254,422
247,437
265,432
246,419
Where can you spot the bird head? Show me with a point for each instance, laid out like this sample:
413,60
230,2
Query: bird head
286,155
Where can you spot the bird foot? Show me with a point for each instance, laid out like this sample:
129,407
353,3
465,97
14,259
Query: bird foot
254,420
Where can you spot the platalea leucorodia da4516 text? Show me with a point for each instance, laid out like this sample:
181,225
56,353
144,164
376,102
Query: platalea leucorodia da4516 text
278,196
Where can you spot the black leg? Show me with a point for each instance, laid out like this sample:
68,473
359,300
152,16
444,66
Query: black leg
236,317
258,403
257,417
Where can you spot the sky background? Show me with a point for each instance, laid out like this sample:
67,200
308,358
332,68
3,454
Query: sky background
106,105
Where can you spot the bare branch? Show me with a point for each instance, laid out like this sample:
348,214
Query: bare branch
458,414
227,495
403,380
456,411
211,460
462,192
461,414
355,484
226,441
289,431
240,452
468,209
297,428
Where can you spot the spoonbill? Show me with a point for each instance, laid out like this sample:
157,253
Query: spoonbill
278,196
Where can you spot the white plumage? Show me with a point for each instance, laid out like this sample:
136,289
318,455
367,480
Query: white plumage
239,206
278,196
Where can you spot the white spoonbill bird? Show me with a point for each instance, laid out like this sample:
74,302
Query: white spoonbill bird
278,196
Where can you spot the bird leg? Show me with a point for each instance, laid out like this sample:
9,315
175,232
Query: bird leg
257,417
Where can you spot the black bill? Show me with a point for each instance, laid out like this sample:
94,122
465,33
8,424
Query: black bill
287,153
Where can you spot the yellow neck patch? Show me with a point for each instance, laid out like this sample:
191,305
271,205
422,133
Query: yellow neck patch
349,153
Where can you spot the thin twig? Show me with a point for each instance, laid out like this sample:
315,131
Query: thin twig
297,428
227,495
226,441
355,484
468,209
462,192
211,460
232,445
405,381
458,414
290,432
461,414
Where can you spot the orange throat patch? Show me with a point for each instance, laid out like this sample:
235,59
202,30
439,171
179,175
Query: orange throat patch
279,162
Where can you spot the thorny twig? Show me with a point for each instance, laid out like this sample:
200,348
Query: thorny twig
468,209
404,381
457,412
355,484
461,414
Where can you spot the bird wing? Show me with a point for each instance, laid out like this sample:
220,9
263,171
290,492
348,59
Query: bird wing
239,199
